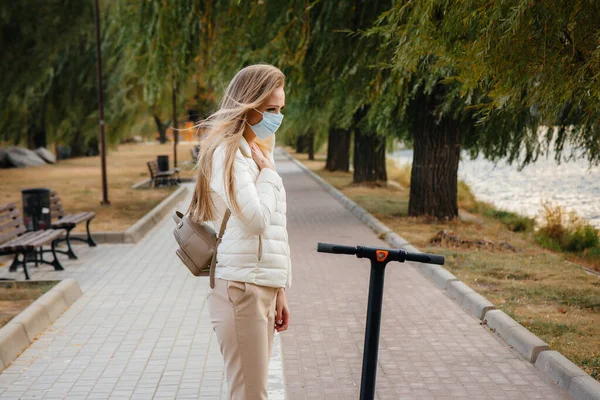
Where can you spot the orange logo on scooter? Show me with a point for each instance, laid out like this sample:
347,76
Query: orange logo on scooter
381,255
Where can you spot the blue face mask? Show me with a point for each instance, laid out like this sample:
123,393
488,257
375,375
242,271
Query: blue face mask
268,125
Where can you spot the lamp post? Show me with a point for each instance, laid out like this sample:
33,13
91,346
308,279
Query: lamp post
101,106
175,125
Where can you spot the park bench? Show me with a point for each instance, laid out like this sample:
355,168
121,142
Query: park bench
15,239
68,222
170,177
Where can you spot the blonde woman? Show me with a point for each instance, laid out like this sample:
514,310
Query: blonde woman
236,172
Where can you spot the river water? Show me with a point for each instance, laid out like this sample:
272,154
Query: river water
573,185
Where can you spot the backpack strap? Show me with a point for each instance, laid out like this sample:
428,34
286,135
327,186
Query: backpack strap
214,258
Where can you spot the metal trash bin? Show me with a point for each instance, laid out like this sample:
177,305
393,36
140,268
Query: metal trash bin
163,163
36,208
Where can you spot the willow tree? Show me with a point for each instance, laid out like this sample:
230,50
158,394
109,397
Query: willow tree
162,39
537,55
449,94
327,70
48,80
329,89
469,75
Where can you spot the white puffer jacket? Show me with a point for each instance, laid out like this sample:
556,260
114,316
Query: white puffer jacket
255,244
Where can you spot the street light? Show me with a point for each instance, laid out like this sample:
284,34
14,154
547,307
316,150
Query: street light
101,106
175,124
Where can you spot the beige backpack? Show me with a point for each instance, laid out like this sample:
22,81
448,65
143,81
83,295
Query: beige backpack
198,244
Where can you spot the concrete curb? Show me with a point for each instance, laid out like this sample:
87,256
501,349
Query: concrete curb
477,304
137,231
515,334
148,221
532,348
22,330
568,375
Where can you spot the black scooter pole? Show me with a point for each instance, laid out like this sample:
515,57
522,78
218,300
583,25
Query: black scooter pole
379,259
371,349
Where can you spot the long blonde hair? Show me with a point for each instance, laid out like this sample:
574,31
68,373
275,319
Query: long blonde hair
248,89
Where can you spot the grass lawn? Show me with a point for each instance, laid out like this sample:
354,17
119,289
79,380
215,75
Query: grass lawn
17,296
78,182
546,292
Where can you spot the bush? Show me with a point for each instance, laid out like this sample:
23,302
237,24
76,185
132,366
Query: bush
580,239
514,222
566,231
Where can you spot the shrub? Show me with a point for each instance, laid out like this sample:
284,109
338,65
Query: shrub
513,221
566,231
582,238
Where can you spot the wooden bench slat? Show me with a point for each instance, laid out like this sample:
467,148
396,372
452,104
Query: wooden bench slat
8,207
17,242
13,223
48,238
80,217
12,233
74,218
31,242
4,216
36,238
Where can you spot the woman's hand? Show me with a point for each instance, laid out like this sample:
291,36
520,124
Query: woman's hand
282,316
259,157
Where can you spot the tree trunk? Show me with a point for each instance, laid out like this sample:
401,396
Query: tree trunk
433,182
301,144
36,135
311,145
338,150
162,129
78,148
369,157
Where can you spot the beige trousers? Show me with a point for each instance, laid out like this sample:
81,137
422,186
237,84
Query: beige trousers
243,317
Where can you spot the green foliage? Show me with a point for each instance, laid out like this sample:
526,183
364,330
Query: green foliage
513,221
49,73
580,239
501,70
505,69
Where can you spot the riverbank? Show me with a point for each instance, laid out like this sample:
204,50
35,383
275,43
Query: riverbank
573,184
552,296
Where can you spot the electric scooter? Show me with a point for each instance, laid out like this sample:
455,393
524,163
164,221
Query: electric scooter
379,259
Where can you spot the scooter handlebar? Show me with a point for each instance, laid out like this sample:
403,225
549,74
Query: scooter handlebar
335,249
425,258
370,252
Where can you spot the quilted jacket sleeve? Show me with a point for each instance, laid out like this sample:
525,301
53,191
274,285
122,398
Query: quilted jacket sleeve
257,200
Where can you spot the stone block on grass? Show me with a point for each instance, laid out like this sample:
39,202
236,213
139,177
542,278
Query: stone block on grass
584,388
477,305
35,320
441,277
558,368
54,303
516,335
70,290
13,339
458,290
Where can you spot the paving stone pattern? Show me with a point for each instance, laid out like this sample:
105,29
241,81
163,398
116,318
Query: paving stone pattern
429,348
141,329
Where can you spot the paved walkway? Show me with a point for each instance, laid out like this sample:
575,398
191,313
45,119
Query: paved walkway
141,330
